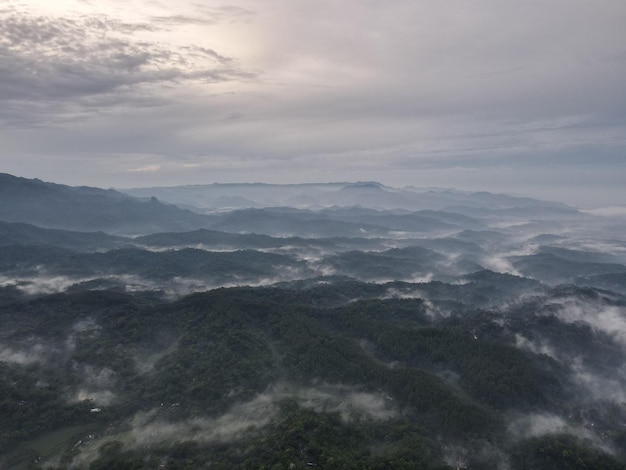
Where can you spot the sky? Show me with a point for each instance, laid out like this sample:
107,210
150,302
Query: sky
519,97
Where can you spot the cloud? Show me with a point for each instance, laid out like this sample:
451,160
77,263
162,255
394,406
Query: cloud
598,386
611,211
145,169
592,382
540,347
347,401
483,94
42,283
500,264
536,425
99,397
148,428
539,424
233,424
36,353
96,385
607,319
430,308
64,67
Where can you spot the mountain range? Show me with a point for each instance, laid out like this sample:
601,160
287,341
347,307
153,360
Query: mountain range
340,325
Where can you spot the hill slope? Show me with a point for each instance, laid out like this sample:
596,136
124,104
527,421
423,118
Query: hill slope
82,208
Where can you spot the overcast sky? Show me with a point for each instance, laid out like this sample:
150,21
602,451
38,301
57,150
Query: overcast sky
525,97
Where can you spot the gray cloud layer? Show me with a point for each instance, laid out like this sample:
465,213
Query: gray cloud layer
68,68
472,94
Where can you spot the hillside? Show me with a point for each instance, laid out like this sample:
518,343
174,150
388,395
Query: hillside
84,209
489,335
300,376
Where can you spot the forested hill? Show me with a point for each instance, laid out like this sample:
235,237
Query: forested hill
342,375
348,325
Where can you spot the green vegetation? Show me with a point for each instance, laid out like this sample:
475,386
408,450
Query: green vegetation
562,452
375,383
301,439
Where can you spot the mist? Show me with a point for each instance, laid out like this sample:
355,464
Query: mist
242,418
148,429
429,323
604,319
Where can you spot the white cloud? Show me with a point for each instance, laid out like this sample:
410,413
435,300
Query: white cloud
145,169
537,425
242,418
24,356
540,347
611,211
607,319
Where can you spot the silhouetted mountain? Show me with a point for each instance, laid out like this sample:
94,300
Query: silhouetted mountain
316,196
88,209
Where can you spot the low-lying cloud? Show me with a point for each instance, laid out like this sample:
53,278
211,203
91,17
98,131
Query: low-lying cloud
96,385
601,387
536,347
533,425
36,353
607,319
41,284
149,428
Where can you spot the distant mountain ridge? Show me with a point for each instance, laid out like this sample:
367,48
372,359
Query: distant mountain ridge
57,206
346,325
364,209
374,195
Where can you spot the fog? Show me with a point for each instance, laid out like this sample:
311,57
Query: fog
595,375
430,308
491,271
41,284
532,425
500,264
94,383
146,429
606,319
172,288
36,353
541,347
597,385
241,418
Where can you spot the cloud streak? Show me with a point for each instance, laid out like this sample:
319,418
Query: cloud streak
606,319
240,419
